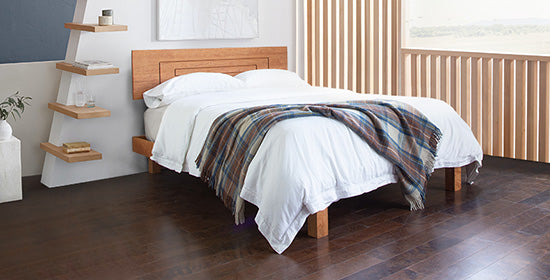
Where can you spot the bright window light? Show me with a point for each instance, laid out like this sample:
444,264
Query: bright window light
501,26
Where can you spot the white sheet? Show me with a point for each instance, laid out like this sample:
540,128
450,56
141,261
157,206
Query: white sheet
152,119
303,164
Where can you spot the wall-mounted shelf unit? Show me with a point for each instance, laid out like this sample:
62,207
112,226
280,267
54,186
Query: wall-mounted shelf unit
70,158
70,68
95,27
80,112
54,170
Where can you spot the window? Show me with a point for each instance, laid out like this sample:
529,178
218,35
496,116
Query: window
503,26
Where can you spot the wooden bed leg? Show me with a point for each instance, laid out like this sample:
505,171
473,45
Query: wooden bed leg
154,167
453,179
317,224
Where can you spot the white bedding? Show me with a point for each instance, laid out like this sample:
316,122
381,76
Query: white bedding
303,164
152,119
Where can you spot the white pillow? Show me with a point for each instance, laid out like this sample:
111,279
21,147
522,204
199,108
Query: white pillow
189,84
271,78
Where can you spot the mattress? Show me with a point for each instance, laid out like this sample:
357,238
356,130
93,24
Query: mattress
152,119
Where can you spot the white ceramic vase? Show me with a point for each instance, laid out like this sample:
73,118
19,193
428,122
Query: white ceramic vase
5,130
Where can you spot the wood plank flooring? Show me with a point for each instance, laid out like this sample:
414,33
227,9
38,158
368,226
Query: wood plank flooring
171,226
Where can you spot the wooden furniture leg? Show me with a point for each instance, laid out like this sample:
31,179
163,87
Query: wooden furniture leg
142,146
317,224
154,167
453,179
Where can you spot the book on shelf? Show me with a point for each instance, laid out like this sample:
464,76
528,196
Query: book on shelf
92,64
76,147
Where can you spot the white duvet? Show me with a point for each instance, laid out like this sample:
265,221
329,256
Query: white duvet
303,164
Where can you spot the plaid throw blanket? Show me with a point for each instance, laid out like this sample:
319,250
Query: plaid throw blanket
394,130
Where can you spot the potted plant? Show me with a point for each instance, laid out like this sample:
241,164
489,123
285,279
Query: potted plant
13,105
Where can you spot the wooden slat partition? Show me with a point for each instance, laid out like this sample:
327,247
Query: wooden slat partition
532,110
487,104
498,109
544,102
521,97
395,44
433,78
504,98
509,96
443,79
425,70
356,45
414,75
476,98
353,44
466,88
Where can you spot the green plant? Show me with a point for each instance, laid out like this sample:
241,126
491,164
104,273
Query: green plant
14,105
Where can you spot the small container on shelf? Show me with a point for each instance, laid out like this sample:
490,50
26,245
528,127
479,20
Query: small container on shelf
108,13
105,20
90,103
80,99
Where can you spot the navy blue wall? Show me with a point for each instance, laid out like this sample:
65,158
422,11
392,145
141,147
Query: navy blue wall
32,30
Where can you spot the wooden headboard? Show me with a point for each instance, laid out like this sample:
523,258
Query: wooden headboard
153,67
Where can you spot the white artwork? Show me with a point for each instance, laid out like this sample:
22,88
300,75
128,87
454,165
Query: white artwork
207,19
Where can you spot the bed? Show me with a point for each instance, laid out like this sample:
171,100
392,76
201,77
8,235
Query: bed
153,67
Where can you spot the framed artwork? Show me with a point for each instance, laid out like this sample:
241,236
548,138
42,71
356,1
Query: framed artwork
207,19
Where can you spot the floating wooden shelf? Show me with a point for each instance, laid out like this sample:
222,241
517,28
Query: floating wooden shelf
70,68
76,157
79,112
95,27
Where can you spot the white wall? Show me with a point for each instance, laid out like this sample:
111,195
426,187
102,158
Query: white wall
39,80
112,136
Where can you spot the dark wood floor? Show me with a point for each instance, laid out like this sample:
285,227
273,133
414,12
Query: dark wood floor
171,226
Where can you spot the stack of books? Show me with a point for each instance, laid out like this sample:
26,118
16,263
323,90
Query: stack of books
76,147
92,64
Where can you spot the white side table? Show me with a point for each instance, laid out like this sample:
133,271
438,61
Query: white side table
10,170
